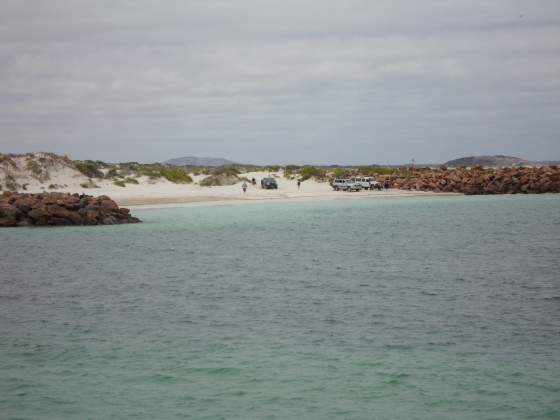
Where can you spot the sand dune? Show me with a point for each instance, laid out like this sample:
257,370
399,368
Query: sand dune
162,192
63,177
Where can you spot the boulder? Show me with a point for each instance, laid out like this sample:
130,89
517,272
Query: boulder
507,180
60,209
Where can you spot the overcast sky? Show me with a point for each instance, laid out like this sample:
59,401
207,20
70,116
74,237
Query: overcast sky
284,81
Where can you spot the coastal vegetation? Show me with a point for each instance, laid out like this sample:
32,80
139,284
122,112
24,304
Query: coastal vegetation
340,173
132,170
380,170
8,160
16,170
216,180
90,168
131,180
308,172
51,171
229,170
88,184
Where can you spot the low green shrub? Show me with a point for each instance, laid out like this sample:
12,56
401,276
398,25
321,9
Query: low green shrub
111,173
7,159
89,168
226,170
311,171
11,185
119,183
376,170
176,174
219,180
130,180
88,184
36,169
341,172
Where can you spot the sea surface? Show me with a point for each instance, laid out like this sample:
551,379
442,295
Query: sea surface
400,308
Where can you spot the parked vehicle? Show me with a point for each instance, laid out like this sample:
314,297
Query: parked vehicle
269,184
363,181
367,182
345,184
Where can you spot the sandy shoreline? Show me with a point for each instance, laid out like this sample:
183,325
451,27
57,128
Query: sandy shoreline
155,193
206,201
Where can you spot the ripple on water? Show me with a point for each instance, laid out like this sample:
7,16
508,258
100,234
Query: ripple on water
433,309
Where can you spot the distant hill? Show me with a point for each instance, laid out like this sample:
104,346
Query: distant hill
199,161
496,160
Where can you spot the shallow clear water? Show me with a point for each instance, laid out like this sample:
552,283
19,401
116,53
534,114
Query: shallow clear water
439,308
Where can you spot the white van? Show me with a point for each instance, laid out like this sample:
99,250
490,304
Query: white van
366,182
345,184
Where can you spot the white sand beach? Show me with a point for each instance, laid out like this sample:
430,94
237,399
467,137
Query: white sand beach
150,193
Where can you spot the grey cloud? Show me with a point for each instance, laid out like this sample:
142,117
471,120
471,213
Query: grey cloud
268,81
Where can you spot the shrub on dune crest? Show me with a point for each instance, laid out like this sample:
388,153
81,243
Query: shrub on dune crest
88,168
8,159
130,180
176,175
376,170
128,172
219,180
341,173
226,170
308,172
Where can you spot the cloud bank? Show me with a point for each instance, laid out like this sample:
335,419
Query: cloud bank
281,81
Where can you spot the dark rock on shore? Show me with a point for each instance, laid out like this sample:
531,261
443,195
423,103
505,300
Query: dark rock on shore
58,209
506,180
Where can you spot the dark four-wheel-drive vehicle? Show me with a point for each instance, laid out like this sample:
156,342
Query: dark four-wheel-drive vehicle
269,184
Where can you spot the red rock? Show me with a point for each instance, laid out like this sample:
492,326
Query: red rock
507,180
21,209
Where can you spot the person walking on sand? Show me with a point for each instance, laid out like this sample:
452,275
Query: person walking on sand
244,186
298,183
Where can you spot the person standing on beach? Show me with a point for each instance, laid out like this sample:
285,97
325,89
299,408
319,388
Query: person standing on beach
244,186
298,183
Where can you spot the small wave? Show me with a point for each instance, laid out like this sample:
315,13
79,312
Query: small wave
398,379
163,377
398,347
216,371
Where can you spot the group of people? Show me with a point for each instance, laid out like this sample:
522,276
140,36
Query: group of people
244,186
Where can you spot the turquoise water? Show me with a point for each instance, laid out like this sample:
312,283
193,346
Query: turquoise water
439,308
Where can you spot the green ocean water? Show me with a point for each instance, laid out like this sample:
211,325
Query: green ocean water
437,308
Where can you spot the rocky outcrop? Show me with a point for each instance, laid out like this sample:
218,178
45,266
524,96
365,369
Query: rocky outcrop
506,180
58,209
